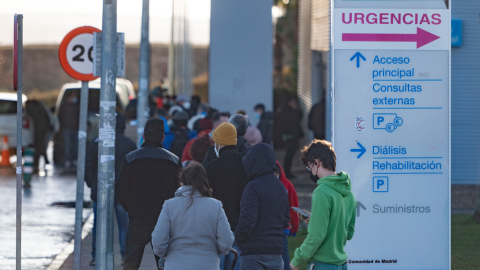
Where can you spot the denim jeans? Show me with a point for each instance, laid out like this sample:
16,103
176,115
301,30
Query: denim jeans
326,266
122,220
70,144
139,234
285,255
227,260
261,261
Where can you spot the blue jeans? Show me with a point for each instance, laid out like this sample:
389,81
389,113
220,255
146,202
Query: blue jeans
285,255
261,261
227,260
70,144
326,266
122,220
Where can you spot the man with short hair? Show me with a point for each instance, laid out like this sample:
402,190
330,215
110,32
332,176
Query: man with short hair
226,176
332,221
148,177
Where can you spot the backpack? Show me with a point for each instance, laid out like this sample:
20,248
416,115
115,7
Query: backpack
179,141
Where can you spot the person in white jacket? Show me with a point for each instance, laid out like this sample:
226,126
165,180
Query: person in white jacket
192,230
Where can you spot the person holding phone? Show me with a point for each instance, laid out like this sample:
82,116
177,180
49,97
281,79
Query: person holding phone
332,221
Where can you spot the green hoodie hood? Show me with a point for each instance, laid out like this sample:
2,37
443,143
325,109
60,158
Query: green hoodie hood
339,182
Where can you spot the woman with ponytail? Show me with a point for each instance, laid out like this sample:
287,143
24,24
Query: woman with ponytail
192,230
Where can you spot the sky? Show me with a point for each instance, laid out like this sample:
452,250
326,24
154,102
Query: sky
48,21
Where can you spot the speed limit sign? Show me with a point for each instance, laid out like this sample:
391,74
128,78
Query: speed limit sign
76,53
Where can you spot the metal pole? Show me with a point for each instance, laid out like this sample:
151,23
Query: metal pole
19,141
144,80
82,143
171,54
106,146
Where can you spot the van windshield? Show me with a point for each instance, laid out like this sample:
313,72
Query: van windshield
8,107
93,98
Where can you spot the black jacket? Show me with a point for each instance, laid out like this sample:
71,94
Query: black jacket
266,127
291,120
123,146
264,208
316,120
242,146
227,176
148,177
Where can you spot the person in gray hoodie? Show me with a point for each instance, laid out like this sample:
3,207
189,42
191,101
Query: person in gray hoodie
192,230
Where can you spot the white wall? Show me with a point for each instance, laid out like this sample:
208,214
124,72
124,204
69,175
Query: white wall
241,55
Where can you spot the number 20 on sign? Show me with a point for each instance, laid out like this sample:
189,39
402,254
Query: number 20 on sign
76,51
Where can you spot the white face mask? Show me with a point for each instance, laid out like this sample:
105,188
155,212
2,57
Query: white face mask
217,151
187,105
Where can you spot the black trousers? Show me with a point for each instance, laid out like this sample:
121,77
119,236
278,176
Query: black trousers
139,234
291,146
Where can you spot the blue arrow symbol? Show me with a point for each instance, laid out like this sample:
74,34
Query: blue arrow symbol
358,55
362,150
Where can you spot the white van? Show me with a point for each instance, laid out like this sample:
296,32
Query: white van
125,93
8,121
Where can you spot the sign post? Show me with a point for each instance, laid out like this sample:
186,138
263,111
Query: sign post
76,58
106,146
392,131
144,80
18,86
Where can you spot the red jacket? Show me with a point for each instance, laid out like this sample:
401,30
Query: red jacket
292,200
186,151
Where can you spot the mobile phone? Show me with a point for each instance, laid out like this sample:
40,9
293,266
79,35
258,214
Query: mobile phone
301,212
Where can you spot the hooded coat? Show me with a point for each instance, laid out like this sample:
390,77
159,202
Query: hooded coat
123,146
264,208
292,201
332,222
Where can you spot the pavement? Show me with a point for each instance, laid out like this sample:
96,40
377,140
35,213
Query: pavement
46,229
148,261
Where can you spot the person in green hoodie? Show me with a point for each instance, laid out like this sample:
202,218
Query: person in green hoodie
332,221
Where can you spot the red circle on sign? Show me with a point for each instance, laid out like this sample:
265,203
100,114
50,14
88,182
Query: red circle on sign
62,53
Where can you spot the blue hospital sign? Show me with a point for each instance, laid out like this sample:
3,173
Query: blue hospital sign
456,33
392,71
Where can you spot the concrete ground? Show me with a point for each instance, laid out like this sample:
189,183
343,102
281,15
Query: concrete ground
46,229
148,262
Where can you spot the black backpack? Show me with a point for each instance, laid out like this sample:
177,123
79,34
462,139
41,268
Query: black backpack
179,141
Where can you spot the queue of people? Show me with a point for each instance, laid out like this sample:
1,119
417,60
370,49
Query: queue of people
197,188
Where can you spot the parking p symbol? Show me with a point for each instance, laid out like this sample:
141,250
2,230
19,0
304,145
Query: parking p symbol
380,119
380,184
